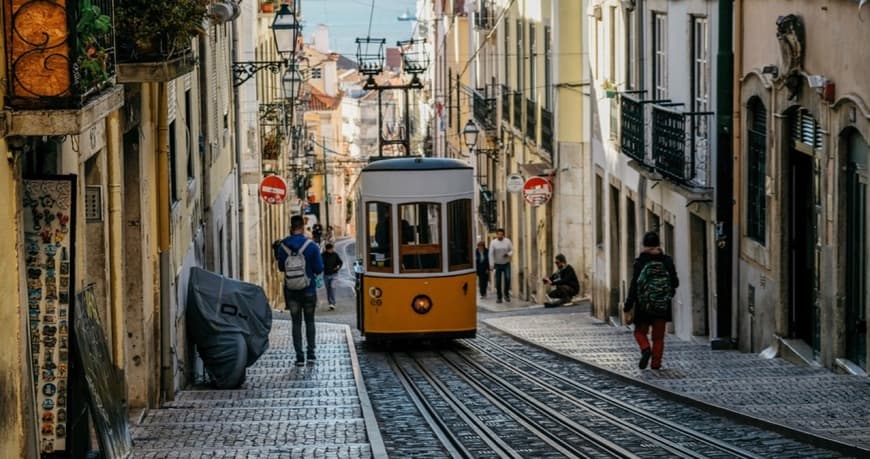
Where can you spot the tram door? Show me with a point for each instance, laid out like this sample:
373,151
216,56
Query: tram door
856,250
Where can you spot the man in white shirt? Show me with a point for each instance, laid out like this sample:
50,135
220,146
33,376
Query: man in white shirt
500,252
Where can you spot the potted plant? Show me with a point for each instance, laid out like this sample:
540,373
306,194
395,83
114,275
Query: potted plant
158,30
92,32
267,6
609,89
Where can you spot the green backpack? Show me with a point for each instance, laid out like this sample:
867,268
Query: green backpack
654,289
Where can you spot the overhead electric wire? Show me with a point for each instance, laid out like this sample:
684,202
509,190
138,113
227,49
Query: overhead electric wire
488,36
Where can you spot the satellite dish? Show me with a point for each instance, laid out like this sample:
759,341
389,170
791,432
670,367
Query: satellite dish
407,16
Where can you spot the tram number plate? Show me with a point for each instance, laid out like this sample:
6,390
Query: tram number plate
375,302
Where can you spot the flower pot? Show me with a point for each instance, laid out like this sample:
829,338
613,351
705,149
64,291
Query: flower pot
610,93
267,7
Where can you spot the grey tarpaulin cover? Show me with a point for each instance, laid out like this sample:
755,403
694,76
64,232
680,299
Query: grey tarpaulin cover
229,322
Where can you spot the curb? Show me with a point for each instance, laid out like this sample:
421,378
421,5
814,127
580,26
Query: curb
812,438
379,450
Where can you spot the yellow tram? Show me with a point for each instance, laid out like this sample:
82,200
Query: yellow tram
414,232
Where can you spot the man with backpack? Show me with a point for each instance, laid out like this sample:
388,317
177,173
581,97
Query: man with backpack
299,258
653,284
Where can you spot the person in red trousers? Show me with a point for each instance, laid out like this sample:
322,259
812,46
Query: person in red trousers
649,303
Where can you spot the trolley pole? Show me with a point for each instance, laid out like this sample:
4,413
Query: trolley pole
325,187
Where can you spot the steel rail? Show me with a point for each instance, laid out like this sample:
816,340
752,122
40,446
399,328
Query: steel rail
565,447
489,437
637,430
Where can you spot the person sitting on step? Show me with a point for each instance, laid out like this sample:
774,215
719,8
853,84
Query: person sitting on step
564,282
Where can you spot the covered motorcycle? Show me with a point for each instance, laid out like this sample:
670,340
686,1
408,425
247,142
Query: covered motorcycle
229,322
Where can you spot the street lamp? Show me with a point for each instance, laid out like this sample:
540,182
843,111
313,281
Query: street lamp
292,80
286,31
469,135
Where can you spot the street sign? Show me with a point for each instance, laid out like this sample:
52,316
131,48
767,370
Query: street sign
515,183
537,191
273,189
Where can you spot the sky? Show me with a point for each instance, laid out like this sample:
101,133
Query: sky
349,19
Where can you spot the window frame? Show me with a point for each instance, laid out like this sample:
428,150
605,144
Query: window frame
451,235
421,249
659,55
756,230
388,267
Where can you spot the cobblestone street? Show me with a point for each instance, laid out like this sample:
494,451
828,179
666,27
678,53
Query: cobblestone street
320,410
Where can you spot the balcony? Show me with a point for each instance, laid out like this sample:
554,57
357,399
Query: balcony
484,18
531,121
484,110
488,208
679,140
505,104
158,47
518,110
59,55
547,130
681,145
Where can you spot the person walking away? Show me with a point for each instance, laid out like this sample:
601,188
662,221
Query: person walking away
653,284
299,258
500,252
481,264
331,266
317,232
564,282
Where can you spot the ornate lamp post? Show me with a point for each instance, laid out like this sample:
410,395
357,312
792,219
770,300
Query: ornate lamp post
286,30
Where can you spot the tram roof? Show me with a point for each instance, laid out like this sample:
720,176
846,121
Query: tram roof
416,164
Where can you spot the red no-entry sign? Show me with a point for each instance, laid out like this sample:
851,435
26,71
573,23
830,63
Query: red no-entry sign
537,191
273,189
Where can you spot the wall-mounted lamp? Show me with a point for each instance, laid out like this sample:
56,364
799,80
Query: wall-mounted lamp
286,30
770,70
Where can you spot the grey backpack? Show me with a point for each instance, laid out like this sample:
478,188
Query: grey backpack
295,277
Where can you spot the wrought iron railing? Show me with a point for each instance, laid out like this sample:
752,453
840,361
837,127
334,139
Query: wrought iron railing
505,104
680,145
518,110
531,120
547,130
58,54
488,208
484,110
632,127
484,18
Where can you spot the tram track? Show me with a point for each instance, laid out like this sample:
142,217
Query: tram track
673,437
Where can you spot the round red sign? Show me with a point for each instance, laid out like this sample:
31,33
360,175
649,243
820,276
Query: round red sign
537,191
273,189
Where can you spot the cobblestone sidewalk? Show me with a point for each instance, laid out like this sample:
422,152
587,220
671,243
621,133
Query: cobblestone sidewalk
320,410
812,400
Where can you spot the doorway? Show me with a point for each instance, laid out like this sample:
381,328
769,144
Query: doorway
700,320
803,312
615,258
631,241
856,249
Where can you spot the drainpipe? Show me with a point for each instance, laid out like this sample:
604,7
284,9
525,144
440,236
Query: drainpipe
163,239
724,176
738,156
237,143
116,243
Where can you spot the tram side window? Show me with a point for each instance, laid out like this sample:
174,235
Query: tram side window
459,234
379,229
420,230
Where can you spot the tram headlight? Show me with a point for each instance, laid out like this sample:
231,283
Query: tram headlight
421,304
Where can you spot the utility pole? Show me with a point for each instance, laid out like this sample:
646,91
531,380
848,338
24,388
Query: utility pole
325,187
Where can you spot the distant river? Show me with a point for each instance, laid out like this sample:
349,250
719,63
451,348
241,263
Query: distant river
349,19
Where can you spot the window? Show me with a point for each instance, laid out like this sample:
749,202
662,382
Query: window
532,64
756,162
459,234
519,56
188,125
611,75
631,51
506,29
316,73
379,236
173,164
420,231
548,71
700,73
659,58
653,222
599,211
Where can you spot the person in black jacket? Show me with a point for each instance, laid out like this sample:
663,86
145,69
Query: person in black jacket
331,265
481,264
646,285
564,282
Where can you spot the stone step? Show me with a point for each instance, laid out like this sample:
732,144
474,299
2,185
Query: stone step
262,403
234,414
280,452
